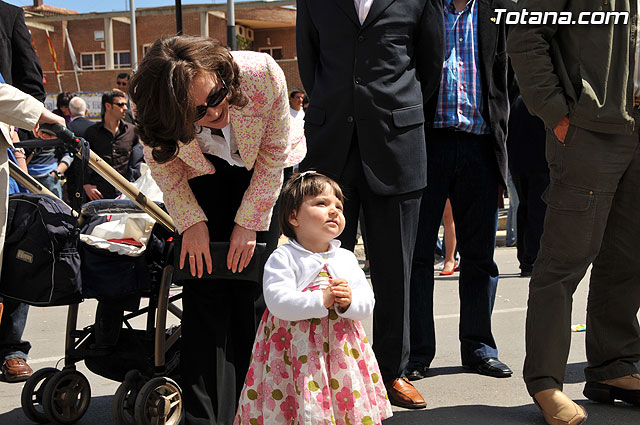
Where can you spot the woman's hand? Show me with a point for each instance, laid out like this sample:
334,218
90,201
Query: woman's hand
243,243
195,246
342,292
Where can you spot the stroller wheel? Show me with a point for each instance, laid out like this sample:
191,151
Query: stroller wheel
159,401
123,404
32,394
66,397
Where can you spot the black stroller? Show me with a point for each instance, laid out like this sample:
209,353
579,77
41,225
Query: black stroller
144,360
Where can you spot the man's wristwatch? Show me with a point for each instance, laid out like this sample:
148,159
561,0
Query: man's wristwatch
57,174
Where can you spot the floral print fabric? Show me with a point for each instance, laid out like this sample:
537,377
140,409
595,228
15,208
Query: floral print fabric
315,371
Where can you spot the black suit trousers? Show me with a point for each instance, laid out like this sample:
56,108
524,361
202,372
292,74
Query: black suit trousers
219,320
392,223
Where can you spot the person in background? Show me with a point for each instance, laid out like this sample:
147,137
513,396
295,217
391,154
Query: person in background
296,99
78,125
113,140
62,105
450,264
19,67
79,122
122,82
530,174
20,110
466,163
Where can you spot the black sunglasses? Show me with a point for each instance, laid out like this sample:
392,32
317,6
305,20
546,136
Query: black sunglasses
121,104
214,99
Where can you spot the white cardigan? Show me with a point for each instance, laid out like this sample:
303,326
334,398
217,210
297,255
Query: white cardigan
291,268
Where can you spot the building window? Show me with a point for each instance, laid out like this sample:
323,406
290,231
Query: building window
92,61
98,35
145,49
275,52
122,59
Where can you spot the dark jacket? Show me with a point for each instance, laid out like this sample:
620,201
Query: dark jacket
19,64
526,141
114,150
498,85
79,126
369,79
582,71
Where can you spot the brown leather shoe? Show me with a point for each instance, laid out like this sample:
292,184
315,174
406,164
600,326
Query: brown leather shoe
16,370
403,394
558,409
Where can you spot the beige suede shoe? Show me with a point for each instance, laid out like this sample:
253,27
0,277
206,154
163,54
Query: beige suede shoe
558,409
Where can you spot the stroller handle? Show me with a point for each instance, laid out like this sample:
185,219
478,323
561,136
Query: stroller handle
109,174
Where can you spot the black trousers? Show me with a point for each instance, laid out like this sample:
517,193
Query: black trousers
391,223
219,319
531,211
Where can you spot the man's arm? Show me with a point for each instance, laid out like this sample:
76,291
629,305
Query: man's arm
429,47
26,72
307,46
528,46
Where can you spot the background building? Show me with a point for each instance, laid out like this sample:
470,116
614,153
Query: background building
101,42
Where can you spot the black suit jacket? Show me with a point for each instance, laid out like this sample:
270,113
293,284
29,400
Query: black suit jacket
79,125
19,64
370,79
498,84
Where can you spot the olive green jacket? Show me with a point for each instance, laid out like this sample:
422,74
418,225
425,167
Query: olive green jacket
583,71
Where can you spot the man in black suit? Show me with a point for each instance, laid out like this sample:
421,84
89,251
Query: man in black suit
19,64
530,173
467,164
79,123
367,69
20,67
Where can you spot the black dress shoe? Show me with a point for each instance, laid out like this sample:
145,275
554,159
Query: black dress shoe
416,372
603,393
491,367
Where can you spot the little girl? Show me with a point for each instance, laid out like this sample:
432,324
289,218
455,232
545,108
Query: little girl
312,362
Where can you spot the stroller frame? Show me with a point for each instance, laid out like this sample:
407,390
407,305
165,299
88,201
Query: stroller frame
63,396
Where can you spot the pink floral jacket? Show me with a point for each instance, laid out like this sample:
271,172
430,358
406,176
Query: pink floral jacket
268,140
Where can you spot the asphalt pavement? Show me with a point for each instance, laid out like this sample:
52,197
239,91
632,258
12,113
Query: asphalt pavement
454,395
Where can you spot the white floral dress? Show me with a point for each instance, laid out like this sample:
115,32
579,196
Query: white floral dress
315,371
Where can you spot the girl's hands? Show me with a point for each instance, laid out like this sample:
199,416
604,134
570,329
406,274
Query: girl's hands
195,247
243,243
328,297
341,292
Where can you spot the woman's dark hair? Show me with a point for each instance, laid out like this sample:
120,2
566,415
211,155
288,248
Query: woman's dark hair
160,89
63,99
295,190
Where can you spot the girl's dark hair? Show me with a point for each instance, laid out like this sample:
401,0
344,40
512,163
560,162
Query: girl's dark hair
294,192
160,89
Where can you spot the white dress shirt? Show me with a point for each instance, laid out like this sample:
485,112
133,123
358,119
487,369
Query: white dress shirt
223,147
363,6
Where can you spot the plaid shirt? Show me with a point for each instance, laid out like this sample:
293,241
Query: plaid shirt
460,98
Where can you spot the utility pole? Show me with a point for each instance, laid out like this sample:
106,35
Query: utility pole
231,25
134,40
179,17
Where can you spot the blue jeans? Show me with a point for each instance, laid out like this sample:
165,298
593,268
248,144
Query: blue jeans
51,183
14,319
463,168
